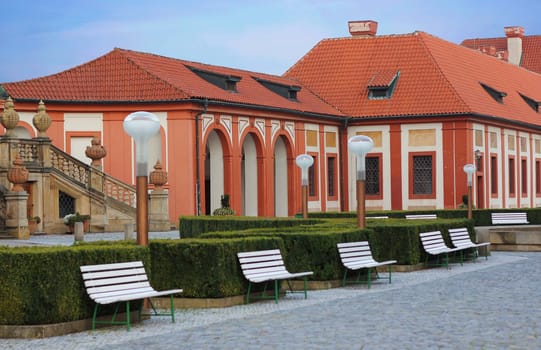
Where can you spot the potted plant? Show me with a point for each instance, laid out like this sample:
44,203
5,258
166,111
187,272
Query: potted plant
225,209
71,219
33,222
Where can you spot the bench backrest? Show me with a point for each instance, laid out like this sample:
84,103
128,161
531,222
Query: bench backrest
108,280
509,218
354,251
460,237
262,262
421,216
433,241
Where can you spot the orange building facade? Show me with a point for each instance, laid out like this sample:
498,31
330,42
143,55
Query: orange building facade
430,107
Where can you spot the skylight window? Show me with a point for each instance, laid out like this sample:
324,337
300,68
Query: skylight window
495,94
382,84
223,81
531,102
286,91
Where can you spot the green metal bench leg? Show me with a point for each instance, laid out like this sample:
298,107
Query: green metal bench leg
128,317
172,309
248,293
390,271
344,279
276,291
94,317
305,285
368,279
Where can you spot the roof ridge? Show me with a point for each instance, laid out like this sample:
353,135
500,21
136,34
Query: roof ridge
176,88
189,62
422,36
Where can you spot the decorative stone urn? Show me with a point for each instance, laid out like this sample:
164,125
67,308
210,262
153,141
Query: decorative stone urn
10,118
17,175
95,152
158,177
41,120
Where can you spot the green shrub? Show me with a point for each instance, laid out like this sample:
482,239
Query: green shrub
41,285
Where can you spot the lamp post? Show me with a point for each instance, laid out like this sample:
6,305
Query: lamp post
469,169
304,161
360,145
141,126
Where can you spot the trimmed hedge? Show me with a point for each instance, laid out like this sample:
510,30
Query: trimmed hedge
204,268
193,226
481,217
41,285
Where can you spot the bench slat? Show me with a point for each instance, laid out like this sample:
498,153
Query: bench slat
421,216
114,266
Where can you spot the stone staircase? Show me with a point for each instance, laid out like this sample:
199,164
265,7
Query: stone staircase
109,201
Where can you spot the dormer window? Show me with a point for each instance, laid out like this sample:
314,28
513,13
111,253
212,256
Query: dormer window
286,91
223,81
382,85
495,94
531,102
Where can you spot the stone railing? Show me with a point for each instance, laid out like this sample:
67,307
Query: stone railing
69,166
82,173
119,190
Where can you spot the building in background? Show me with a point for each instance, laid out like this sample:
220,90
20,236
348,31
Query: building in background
430,106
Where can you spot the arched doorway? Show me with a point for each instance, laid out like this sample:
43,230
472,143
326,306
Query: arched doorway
280,178
249,177
214,173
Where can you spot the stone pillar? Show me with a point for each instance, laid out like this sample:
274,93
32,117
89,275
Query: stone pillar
159,200
16,220
159,211
78,231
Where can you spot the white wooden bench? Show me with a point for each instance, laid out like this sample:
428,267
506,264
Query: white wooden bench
357,256
268,266
434,244
121,283
509,218
460,237
378,217
421,216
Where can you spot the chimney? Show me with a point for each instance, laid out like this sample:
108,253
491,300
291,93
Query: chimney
363,28
514,43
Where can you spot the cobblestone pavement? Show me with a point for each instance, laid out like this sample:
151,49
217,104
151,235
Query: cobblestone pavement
492,304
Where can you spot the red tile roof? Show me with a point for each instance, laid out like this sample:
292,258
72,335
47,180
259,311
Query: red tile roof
531,49
436,77
130,76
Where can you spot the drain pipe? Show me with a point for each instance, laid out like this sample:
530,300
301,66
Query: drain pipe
197,155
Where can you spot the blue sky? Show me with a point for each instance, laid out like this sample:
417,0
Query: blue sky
45,37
